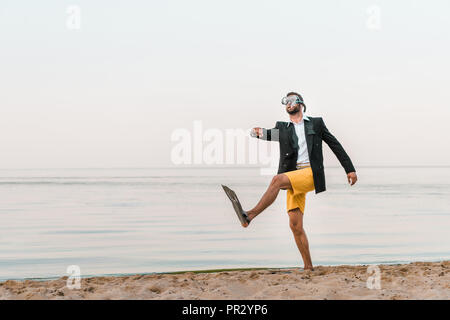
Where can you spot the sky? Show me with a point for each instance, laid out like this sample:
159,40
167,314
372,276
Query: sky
106,85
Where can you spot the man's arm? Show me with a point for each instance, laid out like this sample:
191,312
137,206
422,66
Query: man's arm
337,149
267,134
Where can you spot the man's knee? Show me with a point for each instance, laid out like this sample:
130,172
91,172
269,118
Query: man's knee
279,181
297,229
295,222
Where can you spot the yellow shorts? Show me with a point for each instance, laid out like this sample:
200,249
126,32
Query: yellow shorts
302,182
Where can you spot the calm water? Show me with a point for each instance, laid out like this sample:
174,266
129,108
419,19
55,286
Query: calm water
119,221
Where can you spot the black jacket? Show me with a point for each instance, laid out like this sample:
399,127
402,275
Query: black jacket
315,133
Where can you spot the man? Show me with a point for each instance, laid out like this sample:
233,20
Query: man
300,168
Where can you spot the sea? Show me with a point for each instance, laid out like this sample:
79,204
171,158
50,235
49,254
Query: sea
149,220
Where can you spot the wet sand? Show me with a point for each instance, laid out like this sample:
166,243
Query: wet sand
418,280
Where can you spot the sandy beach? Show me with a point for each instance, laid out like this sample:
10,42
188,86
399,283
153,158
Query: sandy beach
418,280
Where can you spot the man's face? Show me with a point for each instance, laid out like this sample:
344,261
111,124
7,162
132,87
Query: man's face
292,107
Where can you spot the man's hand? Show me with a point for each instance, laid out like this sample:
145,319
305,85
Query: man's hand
352,178
257,132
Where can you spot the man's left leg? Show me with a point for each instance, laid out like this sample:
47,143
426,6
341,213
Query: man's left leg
296,224
279,182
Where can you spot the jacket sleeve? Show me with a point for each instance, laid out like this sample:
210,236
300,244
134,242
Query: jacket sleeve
337,149
270,134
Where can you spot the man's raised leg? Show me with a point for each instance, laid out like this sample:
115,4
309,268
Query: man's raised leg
280,181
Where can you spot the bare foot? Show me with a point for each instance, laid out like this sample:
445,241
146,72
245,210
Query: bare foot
250,217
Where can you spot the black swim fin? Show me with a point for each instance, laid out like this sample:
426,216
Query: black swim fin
242,215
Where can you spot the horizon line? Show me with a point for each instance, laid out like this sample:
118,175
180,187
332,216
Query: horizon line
219,167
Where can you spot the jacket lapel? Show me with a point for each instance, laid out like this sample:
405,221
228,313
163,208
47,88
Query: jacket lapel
293,135
309,134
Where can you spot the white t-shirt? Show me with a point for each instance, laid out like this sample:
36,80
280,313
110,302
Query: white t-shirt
302,147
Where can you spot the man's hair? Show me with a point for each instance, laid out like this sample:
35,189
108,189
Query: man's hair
292,93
